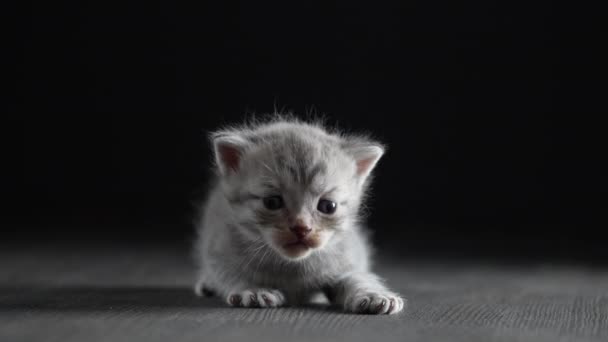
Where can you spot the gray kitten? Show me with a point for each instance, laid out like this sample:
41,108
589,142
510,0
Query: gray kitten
282,222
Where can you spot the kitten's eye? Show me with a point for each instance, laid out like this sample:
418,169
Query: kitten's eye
273,202
327,206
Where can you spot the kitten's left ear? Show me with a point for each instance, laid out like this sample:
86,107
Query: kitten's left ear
366,155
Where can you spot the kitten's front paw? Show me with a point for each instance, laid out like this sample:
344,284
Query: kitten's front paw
256,298
376,303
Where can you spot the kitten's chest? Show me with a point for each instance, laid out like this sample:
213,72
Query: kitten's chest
306,275
291,282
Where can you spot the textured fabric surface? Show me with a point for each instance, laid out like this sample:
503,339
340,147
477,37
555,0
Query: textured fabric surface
89,293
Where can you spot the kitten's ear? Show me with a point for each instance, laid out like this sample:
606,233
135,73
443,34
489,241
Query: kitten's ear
228,149
366,155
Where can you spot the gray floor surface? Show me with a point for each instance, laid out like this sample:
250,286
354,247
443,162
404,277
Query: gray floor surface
92,293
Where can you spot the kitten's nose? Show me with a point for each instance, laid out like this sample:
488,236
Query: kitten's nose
300,230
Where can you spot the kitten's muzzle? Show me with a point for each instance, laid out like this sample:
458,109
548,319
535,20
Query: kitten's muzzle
297,240
300,231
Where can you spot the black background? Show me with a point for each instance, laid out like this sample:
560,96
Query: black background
489,109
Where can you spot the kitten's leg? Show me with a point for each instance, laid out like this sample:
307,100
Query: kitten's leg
201,288
256,298
363,292
239,295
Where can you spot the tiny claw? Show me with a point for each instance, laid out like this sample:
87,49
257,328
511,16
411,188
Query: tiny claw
391,305
381,305
235,300
362,304
267,300
254,300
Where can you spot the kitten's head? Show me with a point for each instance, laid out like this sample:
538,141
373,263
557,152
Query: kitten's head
293,185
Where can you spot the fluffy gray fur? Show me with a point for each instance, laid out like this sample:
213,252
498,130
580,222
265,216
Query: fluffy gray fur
248,254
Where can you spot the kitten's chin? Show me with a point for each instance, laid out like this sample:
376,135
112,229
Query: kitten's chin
295,251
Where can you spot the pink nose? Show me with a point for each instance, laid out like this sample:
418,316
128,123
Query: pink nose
300,230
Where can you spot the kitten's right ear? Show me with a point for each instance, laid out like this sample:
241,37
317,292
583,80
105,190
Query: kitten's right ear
229,150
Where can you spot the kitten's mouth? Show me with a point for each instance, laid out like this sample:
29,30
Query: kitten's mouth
297,244
296,248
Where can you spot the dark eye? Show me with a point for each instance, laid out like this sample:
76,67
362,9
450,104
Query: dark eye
273,202
327,206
